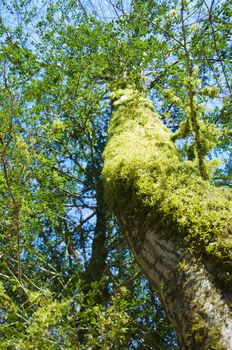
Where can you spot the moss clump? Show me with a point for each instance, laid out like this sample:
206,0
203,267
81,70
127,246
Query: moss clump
143,170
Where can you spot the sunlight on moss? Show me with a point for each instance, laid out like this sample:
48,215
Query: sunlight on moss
143,169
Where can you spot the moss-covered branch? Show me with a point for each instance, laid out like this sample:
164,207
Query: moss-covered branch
177,224
143,171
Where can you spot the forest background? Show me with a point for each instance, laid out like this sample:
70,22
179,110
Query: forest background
68,277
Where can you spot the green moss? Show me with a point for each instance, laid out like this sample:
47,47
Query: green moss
143,170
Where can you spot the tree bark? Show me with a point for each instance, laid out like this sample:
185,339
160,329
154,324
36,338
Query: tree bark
93,277
177,225
97,265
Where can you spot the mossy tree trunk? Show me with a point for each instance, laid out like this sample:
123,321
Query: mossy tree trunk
176,223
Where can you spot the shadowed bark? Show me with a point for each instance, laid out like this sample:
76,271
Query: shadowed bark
94,285
97,265
94,274
177,225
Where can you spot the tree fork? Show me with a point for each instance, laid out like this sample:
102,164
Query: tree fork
176,223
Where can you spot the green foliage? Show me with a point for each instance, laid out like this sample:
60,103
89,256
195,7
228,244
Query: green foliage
46,323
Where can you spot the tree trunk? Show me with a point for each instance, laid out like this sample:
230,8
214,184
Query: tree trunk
177,225
97,265
93,277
